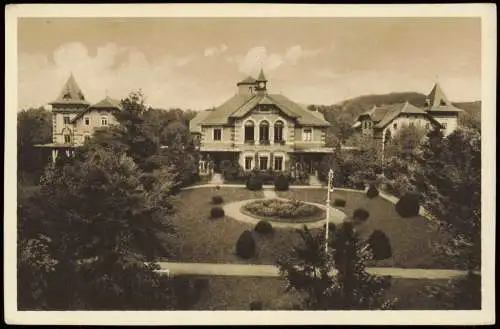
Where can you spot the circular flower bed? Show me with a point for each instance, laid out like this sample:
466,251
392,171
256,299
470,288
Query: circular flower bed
284,210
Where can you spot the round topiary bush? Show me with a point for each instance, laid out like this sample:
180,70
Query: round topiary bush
380,245
264,227
339,203
245,246
360,215
254,183
408,205
281,183
217,199
372,191
216,212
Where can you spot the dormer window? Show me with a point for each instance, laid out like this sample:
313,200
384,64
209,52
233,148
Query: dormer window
81,96
66,96
67,120
442,102
427,103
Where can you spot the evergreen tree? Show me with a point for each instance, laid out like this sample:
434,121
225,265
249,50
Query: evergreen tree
94,226
336,280
449,179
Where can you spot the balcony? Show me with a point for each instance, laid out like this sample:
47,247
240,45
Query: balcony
264,142
250,142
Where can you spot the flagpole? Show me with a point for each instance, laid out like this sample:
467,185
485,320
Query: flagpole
330,177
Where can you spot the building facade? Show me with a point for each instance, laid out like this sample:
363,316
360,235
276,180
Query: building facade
385,121
74,119
260,130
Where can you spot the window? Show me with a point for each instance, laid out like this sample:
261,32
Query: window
87,121
412,124
217,134
395,126
263,163
67,139
278,131
249,131
264,108
264,132
307,134
278,163
104,121
445,125
86,137
442,102
248,163
67,120
427,125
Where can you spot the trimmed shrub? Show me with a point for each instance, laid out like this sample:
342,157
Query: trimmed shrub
380,245
254,183
217,187
360,214
281,183
408,205
217,199
245,246
372,191
256,305
339,203
264,227
216,212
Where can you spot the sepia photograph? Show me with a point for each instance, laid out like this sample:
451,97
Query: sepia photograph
250,158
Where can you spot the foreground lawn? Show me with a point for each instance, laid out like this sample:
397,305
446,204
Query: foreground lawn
238,293
201,239
411,238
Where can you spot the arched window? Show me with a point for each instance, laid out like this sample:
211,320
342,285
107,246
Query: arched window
249,132
264,132
278,131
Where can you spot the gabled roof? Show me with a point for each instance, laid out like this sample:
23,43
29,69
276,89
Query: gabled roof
71,93
247,81
221,113
385,114
241,104
437,101
194,123
106,104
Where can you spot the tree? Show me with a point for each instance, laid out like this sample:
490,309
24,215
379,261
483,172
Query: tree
449,178
337,279
34,126
93,224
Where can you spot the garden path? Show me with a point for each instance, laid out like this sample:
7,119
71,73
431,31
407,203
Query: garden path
217,179
248,270
269,193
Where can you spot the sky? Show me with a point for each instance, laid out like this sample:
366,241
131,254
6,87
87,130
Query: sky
195,63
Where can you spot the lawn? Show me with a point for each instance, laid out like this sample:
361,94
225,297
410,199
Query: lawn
411,238
225,293
201,239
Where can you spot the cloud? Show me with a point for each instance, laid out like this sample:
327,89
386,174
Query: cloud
212,51
259,57
116,69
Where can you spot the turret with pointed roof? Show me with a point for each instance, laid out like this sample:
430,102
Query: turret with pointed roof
71,97
437,102
261,76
